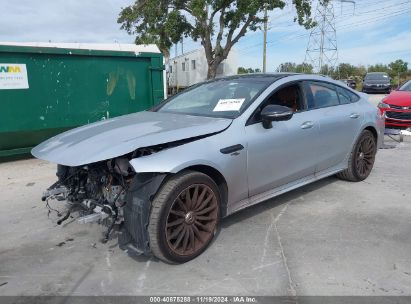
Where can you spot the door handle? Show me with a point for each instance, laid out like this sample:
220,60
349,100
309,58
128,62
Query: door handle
354,115
307,125
232,149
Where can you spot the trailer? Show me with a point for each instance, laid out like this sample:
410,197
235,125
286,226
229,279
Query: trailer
191,68
48,88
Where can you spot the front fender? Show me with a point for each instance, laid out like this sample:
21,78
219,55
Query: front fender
205,152
175,159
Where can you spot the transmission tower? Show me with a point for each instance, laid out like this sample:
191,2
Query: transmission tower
322,44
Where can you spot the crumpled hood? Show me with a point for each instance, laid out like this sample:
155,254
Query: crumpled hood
124,134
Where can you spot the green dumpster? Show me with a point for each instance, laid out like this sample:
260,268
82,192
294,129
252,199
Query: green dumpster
46,89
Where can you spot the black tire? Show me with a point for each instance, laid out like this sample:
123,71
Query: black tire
361,159
175,201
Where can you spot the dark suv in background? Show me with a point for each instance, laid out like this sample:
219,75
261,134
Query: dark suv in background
376,82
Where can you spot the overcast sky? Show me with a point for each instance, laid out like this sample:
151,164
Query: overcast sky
62,21
376,32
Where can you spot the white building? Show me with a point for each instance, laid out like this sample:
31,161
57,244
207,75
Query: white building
190,68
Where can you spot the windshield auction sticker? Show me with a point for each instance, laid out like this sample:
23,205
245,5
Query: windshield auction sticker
229,105
13,76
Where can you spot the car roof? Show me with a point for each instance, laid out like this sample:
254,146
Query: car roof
273,77
259,76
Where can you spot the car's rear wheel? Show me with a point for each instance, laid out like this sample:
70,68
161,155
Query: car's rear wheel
184,217
362,158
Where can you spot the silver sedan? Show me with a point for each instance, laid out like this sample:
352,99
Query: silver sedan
167,176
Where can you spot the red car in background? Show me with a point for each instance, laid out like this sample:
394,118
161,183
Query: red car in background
396,107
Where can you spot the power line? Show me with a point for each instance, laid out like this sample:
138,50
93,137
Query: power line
287,36
340,18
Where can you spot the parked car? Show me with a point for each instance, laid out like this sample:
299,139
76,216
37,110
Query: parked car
169,174
350,83
396,107
376,82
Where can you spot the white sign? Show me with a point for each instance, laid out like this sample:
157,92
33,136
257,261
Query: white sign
13,76
229,104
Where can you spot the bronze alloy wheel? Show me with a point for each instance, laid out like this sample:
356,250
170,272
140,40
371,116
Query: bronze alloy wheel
365,155
184,216
362,157
192,220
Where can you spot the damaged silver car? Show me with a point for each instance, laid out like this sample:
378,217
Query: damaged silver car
168,175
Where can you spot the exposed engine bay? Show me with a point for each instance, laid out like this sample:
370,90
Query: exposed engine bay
96,191
110,192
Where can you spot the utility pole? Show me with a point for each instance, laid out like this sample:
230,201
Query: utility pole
265,39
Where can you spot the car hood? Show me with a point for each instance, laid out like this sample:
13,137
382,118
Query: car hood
124,134
399,98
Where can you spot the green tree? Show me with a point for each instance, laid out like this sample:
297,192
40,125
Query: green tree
288,67
291,67
242,70
346,70
398,67
217,24
304,68
328,70
360,71
379,67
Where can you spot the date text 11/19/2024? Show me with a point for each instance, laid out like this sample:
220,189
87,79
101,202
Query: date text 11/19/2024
203,299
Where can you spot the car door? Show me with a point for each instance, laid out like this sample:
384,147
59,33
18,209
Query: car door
339,120
283,153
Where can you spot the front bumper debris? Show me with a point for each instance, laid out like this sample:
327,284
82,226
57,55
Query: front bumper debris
133,235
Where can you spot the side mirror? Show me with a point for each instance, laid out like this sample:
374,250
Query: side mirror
272,113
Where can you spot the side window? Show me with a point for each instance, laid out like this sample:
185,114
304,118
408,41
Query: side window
346,96
289,96
354,97
322,96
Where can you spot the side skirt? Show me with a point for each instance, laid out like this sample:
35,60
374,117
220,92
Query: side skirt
258,198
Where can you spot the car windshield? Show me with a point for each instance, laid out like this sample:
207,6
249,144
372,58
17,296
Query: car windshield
226,98
406,86
376,77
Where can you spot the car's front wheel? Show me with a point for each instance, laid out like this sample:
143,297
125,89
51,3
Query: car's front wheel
184,217
361,159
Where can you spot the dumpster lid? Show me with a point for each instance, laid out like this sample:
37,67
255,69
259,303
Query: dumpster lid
122,47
